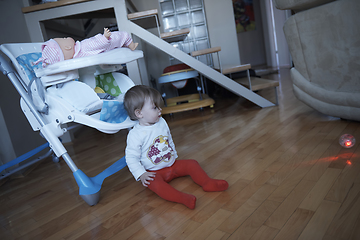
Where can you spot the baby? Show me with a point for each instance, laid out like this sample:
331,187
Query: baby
150,152
59,49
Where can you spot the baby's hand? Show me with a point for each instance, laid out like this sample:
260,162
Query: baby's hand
146,177
107,33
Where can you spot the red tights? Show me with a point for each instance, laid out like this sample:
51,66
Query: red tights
179,169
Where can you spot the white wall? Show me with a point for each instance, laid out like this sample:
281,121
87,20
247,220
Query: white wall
22,137
280,46
222,30
280,16
269,40
7,152
251,43
257,47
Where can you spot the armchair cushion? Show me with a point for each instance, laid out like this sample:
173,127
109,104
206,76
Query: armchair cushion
325,47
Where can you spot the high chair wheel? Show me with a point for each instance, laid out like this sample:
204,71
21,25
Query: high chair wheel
55,159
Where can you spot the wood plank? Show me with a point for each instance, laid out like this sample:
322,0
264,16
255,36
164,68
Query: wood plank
255,221
205,51
287,168
319,191
251,171
355,233
176,220
265,233
321,220
79,227
162,222
210,225
137,225
295,225
244,195
289,205
8,233
247,209
217,234
185,230
344,183
42,216
321,164
205,213
172,230
344,222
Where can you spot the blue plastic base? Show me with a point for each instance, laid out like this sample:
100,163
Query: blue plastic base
91,186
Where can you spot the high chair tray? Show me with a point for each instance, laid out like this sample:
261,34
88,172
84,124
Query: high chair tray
115,56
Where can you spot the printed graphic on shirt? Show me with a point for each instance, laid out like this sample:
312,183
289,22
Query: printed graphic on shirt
160,150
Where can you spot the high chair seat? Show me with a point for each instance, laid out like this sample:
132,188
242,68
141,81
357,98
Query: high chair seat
64,92
78,95
76,99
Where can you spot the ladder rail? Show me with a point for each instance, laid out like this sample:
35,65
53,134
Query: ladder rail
207,71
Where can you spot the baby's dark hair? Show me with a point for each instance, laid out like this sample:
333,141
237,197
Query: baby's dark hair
135,98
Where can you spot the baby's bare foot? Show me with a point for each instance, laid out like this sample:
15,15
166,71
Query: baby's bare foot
133,46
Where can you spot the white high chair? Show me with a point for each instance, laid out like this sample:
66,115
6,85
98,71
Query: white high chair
50,98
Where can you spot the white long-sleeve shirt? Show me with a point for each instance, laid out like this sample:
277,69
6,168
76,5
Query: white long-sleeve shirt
149,148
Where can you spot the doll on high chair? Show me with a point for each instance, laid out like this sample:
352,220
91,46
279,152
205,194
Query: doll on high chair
150,152
59,49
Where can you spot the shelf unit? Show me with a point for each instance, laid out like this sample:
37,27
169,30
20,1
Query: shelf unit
150,19
182,14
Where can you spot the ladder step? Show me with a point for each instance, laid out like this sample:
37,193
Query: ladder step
205,51
145,19
237,68
257,83
175,36
147,13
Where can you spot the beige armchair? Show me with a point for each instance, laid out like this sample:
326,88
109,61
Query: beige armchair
324,42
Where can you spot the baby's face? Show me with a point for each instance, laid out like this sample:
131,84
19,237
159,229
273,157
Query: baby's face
67,46
149,114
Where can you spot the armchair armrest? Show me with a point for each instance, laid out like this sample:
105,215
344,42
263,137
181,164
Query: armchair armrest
299,5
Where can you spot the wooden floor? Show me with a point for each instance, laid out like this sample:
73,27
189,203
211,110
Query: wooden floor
289,179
